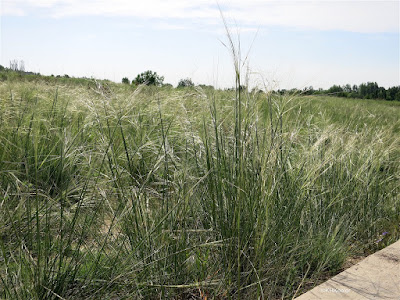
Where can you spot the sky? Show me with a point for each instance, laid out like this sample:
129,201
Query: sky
284,44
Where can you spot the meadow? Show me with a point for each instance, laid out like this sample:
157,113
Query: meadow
114,192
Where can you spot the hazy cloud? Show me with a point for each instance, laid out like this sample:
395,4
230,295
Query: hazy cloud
356,16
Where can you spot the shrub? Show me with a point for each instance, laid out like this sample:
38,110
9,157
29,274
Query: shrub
204,86
187,82
167,85
149,78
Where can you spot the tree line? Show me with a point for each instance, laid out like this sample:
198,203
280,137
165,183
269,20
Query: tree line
369,90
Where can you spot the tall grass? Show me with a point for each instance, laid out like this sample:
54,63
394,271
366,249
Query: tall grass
161,193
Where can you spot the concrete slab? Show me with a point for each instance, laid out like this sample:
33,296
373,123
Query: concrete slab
375,277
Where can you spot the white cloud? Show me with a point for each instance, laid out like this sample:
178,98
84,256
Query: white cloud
357,16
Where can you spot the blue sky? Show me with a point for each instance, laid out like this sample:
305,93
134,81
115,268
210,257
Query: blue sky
293,43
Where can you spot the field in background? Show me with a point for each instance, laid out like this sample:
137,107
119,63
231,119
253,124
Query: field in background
110,192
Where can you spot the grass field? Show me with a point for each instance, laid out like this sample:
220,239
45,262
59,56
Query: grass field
120,193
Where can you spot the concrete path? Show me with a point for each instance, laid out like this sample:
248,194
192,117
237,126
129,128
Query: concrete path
375,277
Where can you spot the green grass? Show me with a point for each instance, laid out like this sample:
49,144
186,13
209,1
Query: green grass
161,193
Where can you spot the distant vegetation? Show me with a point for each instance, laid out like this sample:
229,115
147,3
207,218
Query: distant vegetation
187,82
369,90
149,78
17,73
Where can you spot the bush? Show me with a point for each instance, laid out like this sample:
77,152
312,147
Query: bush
149,78
187,82
167,85
204,86
125,80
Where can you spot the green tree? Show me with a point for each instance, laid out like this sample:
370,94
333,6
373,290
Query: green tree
125,80
393,93
347,88
187,82
362,90
372,90
381,93
149,78
336,90
308,90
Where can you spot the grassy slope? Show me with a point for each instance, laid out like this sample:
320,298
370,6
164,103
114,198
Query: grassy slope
115,192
